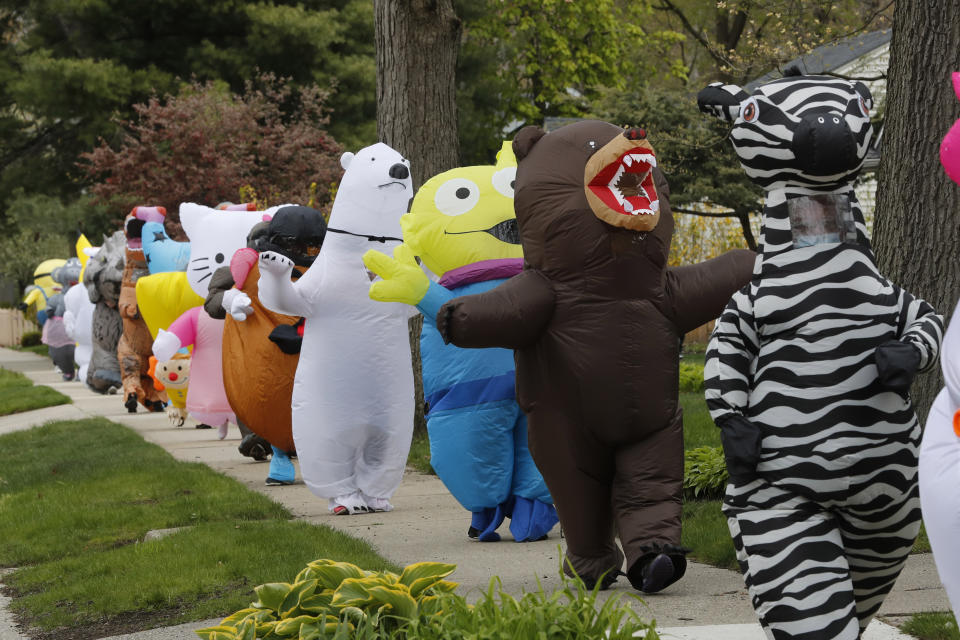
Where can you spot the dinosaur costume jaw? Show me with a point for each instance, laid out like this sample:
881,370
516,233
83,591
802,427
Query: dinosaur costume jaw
618,181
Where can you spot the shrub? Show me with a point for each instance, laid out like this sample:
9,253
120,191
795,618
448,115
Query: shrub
339,600
691,377
30,339
704,473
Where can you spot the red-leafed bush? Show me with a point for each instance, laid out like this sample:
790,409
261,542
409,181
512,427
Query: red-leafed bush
206,144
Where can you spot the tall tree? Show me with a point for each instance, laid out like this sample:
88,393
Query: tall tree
917,224
67,66
417,44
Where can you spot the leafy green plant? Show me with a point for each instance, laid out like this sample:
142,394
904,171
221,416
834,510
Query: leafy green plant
30,339
569,613
327,595
704,473
339,600
691,376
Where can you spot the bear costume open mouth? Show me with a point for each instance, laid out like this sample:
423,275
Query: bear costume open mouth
619,183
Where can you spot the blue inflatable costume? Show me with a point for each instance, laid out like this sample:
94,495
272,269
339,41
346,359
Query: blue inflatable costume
463,228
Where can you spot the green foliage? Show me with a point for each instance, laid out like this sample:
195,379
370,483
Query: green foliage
339,600
691,376
46,215
529,59
932,626
22,250
704,473
328,594
30,338
67,67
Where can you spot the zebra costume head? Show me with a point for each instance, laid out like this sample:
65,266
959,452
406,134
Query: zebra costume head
803,139
796,131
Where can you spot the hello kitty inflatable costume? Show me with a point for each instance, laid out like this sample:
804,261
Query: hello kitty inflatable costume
215,236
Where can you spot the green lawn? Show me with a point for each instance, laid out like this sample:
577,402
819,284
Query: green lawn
76,501
932,626
419,457
18,393
39,349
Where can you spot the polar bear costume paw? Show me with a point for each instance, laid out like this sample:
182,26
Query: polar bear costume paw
273,262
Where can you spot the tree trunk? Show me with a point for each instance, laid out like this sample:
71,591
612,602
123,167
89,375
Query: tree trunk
417,45
917,228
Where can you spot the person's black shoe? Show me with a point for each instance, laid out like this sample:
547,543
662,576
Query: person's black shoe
253,446
201,425
156,406
131,403
473,533
605,581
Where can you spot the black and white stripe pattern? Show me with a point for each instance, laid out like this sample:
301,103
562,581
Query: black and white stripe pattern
823,533
765,141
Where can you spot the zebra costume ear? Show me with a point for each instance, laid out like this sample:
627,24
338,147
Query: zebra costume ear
721,100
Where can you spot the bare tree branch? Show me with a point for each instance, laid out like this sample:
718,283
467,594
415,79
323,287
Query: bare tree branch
693,31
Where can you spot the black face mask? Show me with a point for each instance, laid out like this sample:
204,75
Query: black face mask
294,232
303,251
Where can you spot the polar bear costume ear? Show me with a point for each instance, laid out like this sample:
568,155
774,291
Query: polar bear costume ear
346,159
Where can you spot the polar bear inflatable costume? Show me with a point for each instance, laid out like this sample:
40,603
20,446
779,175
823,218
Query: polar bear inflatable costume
353,397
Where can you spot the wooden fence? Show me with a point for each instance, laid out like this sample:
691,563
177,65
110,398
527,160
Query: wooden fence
12,327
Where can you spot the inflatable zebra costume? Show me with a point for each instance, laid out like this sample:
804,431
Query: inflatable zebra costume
809,367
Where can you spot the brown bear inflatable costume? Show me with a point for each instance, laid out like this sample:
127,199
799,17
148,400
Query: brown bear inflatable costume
596,319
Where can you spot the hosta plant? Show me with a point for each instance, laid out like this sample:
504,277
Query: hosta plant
328,598
704,473
340,601
691,376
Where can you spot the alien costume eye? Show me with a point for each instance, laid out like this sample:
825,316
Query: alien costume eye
750,110
457,196
864,107
503,181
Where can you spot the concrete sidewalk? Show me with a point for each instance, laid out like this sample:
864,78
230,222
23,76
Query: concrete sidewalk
429,525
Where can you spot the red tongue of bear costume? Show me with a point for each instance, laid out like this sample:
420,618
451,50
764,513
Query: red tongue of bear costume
619,182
